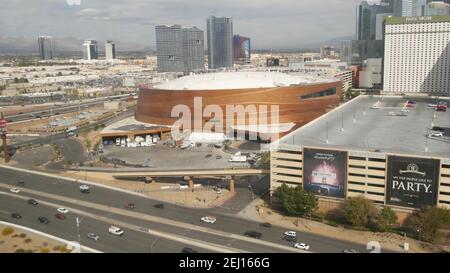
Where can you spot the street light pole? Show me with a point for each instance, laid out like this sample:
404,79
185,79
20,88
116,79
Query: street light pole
78,232
251,189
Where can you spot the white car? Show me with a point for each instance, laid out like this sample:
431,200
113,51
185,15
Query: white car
14,190
208,219
115,230
436,135
63,210
302,246
85,189
291,233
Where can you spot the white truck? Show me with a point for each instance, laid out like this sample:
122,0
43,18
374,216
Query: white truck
71,130
238,159
115,230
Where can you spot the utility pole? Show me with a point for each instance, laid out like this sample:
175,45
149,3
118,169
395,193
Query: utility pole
3,136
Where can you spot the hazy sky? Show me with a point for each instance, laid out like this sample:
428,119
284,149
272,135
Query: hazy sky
269,23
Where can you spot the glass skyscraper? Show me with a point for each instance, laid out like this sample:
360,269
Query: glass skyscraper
220,42
45,46
179,49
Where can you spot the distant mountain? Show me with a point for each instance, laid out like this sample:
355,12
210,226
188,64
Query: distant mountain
312,47
334,42
61,45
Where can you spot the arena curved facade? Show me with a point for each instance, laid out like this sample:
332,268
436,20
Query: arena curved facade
300,98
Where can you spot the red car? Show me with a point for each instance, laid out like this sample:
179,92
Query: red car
129,206
60,216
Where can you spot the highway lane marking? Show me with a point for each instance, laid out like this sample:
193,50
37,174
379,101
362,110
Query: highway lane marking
156,219
168,236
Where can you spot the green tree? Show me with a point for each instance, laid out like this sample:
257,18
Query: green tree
296,201
386,218
428,221
357,210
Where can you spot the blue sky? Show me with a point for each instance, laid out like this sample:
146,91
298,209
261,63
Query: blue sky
269,23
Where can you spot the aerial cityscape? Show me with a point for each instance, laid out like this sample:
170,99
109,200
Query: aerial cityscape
205,129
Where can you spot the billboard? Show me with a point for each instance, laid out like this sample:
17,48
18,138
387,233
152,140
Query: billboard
241,49
246,49
325,172
412,182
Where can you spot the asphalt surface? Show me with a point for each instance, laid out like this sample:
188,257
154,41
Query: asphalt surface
72,151
65,193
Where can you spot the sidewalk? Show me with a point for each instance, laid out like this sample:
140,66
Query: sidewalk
390,241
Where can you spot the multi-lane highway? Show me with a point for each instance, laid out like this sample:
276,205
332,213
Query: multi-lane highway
58,110
146,228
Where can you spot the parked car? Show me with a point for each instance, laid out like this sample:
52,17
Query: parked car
436,134
188,250
32,202
218,156
14,190
253,234
208,156
43,220
159,206
302,246
267,225
437,128
16,215
208,219
93,236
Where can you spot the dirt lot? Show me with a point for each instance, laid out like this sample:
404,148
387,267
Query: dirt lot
24,241
200,198
388,241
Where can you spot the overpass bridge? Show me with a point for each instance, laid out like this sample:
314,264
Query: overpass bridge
189,175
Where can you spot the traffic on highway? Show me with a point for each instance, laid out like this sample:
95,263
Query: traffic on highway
47,202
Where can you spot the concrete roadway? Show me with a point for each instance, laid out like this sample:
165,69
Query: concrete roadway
66,194
135,241
52,138
56,110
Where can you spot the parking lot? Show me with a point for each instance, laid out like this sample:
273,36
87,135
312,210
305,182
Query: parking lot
165,158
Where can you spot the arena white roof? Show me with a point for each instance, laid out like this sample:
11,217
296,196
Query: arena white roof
237,80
